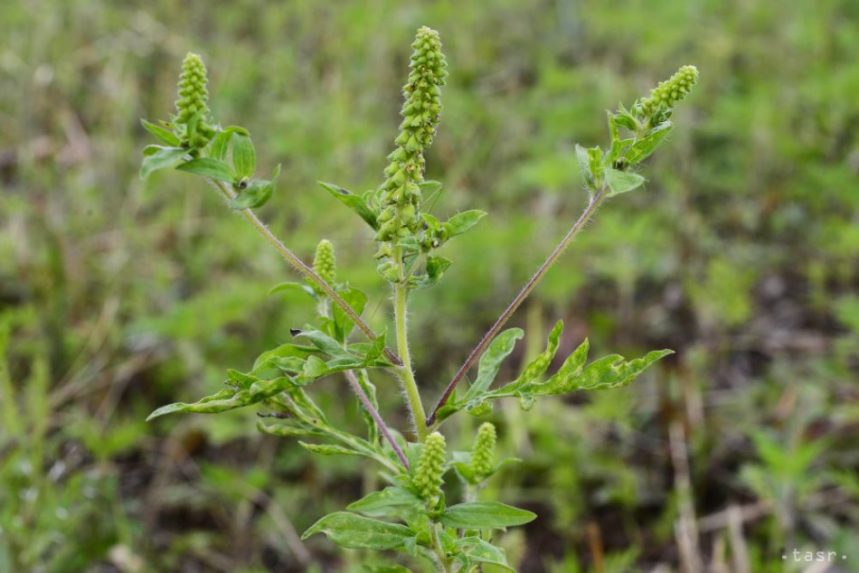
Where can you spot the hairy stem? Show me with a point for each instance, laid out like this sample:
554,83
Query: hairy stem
383,428
594,203
440,555
304,269
406,375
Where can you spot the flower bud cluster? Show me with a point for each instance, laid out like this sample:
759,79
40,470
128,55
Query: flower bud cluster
428,477
192,120
325,263
400,194
668,92
483,451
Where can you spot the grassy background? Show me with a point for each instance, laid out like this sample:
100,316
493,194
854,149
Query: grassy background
119,296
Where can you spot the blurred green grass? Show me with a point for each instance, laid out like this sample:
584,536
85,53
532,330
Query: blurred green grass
741,254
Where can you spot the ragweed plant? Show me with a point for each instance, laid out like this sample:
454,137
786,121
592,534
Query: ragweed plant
411,514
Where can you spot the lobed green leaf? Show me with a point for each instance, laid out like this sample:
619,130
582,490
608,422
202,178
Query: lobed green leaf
490,361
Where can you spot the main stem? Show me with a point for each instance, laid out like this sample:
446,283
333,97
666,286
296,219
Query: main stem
595,201
305,270
406,375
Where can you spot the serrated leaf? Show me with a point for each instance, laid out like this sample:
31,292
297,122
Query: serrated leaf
355,202
462,222
256,194
165,135
622,181
572,367
608,372
485,515
244,156
353,531
535,369
157,157
209,167
387,502
490,361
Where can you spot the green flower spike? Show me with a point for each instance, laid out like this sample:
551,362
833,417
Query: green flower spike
669,92
192,120
483,452
324,262
400,194
428,477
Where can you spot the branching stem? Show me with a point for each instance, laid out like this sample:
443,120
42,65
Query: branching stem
594,203
305,269
374,413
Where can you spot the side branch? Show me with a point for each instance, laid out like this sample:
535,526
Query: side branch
305,270
374,413
493,331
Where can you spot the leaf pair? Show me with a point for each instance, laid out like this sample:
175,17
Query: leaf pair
599,172
230,157
355,531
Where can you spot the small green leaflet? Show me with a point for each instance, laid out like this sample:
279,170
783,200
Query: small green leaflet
165,135
329,449
386,502
538,366
357,203
157,157
462,222
622,181
642,148
353,531
244,155
208,167
490,361
485,515
228,399
476,550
